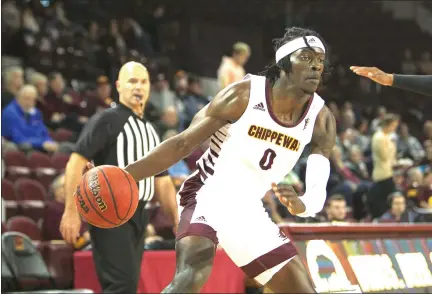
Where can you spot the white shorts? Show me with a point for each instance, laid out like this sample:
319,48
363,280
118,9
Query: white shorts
244,230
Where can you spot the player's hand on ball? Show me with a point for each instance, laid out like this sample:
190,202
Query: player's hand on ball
373,73
70,226
288,197
88,167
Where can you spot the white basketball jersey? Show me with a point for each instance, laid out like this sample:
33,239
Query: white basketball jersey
245,157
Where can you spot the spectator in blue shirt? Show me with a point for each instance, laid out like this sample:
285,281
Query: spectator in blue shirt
398,212
23,124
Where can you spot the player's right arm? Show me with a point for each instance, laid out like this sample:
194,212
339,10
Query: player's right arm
227,106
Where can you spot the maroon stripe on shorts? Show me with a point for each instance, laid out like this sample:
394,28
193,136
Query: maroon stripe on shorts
269,260
188,200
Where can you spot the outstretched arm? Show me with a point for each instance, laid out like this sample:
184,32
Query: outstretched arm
415,83
227,106
318,164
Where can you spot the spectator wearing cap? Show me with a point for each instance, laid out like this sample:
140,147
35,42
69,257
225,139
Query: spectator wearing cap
100,99
231,69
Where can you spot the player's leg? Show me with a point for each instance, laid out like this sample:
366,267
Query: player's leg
262,251
194,256
196,241
291,278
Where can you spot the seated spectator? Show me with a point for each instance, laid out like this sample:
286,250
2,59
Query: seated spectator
153,241
193,102
398,212
61,106
22,123
54,212
13,81
356,163
409,146
100,100
336,209
425,197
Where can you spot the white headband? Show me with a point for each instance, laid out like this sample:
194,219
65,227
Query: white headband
296,44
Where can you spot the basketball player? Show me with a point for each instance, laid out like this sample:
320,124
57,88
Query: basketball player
421,84
258,129
119,136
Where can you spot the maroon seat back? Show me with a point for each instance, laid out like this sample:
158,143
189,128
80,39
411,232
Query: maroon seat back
59,161
25,225
28,189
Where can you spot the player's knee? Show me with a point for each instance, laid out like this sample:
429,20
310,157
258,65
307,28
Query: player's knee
196,252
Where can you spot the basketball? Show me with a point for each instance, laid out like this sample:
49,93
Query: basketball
107,196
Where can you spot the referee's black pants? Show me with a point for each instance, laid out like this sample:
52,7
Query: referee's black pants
117,253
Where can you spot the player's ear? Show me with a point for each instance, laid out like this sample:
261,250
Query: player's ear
118,86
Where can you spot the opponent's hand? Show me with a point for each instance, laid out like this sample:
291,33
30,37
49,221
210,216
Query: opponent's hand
70,226
373,73
288,197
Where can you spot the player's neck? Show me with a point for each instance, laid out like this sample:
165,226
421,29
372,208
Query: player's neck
288,98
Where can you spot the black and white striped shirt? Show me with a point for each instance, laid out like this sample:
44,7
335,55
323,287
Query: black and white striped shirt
118,137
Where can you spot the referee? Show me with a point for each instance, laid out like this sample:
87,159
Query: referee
118,136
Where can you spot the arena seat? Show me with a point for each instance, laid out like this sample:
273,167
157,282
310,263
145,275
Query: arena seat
59,258
17,165
42,168
31,198
9,198
62,135
28,265
59,161
24,225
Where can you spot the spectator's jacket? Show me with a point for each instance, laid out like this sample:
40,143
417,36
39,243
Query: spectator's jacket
20,127
406,217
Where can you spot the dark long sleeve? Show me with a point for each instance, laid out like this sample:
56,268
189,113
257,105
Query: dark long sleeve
420,84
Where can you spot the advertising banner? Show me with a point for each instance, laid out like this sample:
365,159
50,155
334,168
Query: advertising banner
371,265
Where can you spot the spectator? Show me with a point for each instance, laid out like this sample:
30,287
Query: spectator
23,125
356,163
382,111
425,198
409,146
408,66
193,102
161,97
231,68
384,157
30,25
100,100
414,185
336,209
54,211
427,128
13,81
11,16
61,106
398,212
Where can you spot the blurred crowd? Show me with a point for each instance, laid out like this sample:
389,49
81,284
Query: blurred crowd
381,166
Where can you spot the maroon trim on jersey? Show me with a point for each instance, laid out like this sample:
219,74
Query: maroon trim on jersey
269,260
188,200
273,116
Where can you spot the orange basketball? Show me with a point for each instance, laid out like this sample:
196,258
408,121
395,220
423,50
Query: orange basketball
107,196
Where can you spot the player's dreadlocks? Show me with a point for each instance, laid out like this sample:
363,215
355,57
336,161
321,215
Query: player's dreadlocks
272,72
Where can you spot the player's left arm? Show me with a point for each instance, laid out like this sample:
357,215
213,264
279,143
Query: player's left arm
165,190
318,164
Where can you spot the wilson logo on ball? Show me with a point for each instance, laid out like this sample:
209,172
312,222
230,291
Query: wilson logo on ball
81,201
93,184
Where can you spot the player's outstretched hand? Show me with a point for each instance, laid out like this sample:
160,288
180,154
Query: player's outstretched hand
373,73
288,197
